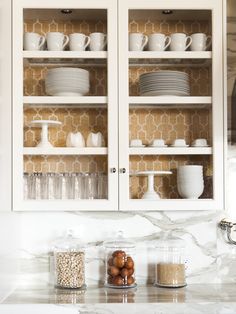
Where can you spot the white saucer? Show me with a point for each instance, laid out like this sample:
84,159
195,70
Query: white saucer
137,146
179,146
152,173
160,146
200,145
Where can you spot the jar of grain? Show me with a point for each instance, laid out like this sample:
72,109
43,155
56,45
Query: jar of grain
69,262
120,262
170,266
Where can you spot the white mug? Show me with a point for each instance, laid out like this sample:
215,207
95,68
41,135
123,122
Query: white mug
78,41
158,42
137,41
179,42
56,41
98,41
33,41
199,42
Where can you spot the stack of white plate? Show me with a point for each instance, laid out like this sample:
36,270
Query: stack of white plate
164,83
67,82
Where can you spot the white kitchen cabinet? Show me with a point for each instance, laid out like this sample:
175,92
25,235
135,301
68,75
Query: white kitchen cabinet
115,106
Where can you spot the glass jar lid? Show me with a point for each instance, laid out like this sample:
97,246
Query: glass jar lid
68,243
171,242
119,242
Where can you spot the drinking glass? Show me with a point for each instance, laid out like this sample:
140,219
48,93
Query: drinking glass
44,186
79,186
70,185
90,185
31,184
102,186
57,186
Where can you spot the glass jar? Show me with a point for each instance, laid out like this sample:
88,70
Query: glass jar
170,266
120,262
69,263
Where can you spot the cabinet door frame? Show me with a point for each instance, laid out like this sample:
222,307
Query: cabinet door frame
218,201
19,204
6,106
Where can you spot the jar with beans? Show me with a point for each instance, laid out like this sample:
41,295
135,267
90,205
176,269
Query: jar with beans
120,262
69,263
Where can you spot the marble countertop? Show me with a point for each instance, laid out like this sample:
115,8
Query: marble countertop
193,299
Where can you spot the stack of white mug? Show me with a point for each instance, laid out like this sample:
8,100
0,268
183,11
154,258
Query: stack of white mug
56,41
190,181
175,42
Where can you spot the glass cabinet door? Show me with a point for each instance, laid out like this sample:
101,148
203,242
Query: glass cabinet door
171,105
65,105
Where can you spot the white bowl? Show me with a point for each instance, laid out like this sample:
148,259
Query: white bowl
190,191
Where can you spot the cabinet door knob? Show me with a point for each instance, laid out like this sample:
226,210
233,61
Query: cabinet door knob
113,170
122,170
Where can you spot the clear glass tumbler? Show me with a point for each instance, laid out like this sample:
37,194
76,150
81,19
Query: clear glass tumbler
31,184
70,185
79,193
44,186
90,185
57,186
102,186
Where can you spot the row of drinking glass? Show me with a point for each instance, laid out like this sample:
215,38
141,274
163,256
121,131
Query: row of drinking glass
65,186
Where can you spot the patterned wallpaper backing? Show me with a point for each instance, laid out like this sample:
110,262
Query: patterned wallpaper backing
145,124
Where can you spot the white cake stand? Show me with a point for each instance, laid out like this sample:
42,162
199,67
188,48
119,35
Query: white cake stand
151,194
44,124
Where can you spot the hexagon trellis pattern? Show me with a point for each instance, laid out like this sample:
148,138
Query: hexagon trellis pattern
60,164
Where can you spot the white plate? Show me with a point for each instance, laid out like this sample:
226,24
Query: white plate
177,146
165,93
38,123
135,146
62,94
167,72
200,145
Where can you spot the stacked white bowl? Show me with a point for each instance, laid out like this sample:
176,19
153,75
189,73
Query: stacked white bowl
190,181
67,82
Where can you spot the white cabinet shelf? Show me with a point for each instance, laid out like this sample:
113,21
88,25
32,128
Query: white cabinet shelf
64,58
65,151
170,54
167,58
170,151
65,54
89,101
179,100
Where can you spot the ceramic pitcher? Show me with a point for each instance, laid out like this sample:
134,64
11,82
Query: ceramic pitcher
75,140
95,140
